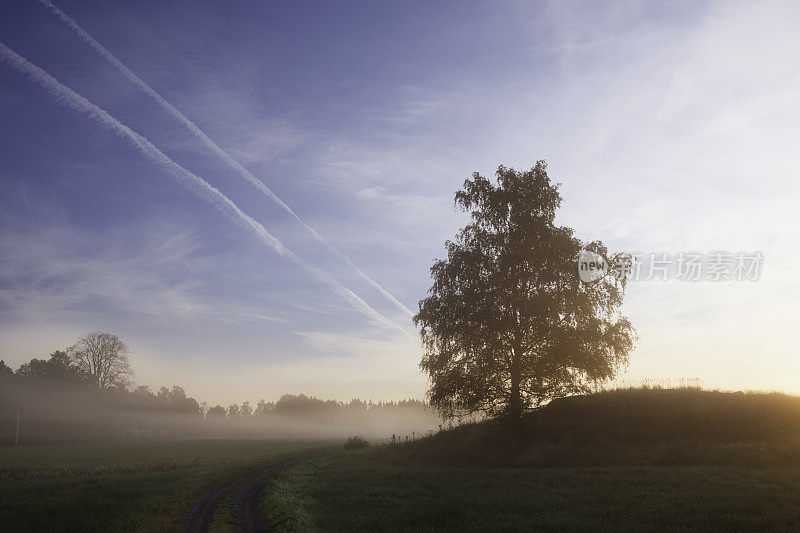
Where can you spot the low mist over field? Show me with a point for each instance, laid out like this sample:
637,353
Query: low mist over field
36,411
61,413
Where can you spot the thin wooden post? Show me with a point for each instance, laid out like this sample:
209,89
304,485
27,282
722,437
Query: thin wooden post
16,439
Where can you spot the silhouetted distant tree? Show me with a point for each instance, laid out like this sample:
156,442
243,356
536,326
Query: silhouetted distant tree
234,411
5,369
302,405
216,412
143,391
58,367
264,408
35,368
246,410
163,394
175,399
508,324
357,405
179,402
104,358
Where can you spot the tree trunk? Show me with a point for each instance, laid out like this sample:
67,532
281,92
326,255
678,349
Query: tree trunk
515,402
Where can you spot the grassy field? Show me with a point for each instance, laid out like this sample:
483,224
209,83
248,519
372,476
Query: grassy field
370,490
145,486
632,459
224,517
622,460
631,427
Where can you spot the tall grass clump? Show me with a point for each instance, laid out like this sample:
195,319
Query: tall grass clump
356,441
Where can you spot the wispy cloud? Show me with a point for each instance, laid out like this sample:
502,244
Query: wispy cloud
61,273
190,180
218,151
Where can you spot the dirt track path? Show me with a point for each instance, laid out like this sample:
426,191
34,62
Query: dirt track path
245,488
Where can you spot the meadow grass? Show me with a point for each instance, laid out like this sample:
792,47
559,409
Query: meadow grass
224,519
144,486
367,490
630,427
629,459
620,460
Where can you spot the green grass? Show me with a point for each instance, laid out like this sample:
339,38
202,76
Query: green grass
372,490
627,460
631,427
145,486
224,519
620,460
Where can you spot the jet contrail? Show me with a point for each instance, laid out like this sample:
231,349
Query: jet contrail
214,147
187,178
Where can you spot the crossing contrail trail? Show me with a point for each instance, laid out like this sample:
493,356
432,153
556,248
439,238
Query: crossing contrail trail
191,181
214,147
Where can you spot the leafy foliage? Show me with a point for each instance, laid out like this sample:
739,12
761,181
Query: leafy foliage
104,358
508,324
58,367
5,370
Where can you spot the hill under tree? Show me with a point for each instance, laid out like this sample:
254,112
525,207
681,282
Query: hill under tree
638,426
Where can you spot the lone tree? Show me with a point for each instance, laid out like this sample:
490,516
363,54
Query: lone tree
103,357
508,324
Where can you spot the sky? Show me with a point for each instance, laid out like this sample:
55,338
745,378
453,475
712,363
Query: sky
133,137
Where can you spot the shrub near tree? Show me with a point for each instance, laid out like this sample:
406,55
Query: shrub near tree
508,324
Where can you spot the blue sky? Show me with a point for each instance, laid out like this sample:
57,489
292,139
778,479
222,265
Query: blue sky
671,128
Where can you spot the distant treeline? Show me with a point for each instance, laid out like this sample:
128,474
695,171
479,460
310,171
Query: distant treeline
174,399
57,400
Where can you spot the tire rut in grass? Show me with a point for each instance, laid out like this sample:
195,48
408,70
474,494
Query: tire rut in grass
245,489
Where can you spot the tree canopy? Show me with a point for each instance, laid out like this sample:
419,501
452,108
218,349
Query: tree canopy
58,367
508,324
103,357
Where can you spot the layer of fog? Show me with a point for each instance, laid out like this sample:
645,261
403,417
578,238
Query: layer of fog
61,412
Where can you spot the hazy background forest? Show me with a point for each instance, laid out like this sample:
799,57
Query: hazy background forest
56,401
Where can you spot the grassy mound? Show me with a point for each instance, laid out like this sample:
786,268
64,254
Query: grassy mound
632,427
